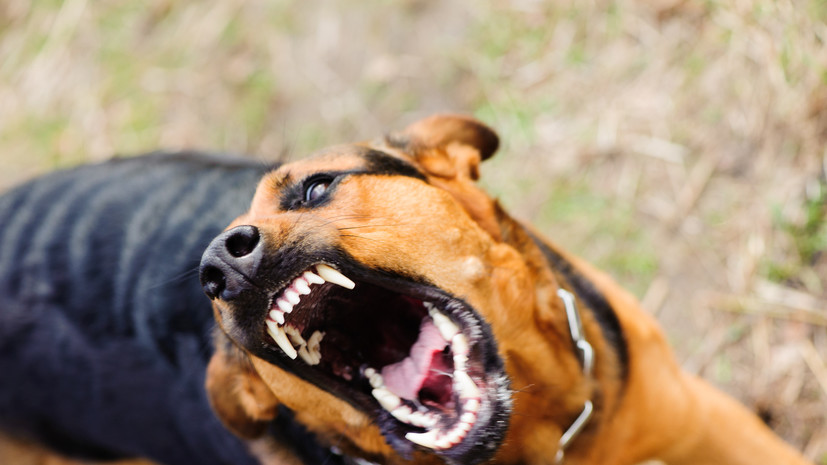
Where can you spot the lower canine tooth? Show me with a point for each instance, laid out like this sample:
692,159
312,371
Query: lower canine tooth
332,275
426,439
278,335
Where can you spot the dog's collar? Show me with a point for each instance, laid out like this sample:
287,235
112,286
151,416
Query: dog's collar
586,356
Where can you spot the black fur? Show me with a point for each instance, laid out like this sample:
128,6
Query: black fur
104,327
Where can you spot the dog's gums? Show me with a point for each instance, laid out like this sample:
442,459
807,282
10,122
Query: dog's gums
405,351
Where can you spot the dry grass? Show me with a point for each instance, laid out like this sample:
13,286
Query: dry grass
678,144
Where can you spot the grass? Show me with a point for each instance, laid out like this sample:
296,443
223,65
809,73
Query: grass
675,144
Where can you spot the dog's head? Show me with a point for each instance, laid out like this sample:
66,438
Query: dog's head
372,290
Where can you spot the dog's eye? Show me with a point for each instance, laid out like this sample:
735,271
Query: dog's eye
316,189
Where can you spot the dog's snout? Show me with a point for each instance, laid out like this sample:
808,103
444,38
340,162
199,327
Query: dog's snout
229,263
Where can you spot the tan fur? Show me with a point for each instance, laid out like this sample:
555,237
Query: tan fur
451,232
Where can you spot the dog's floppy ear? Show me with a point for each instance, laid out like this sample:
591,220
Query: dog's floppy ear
237,394
448,145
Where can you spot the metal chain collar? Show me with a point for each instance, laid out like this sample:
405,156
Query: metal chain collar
586,355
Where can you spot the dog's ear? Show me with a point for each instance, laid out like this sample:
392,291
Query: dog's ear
237,394
447,145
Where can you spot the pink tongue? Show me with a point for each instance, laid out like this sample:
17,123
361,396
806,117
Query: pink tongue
405,378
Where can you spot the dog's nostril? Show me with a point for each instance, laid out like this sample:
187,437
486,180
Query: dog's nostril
242,241
213,281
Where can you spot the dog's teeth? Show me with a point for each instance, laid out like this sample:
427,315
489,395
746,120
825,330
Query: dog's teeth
309,358
471,405
459,344
460,362
402,414
277,315
422,420
332,275
314,346
388,400
284,305
301,285
465,386
376,380
369,372
445,442
468,418
292,296
444,324
278,335
295,335
426,439
313,278
315,339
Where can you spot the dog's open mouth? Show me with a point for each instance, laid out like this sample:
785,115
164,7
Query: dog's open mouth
421,362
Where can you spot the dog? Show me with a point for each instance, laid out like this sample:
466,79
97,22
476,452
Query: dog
369,303
105,333
377,292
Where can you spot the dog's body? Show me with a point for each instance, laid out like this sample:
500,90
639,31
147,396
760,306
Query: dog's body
373,290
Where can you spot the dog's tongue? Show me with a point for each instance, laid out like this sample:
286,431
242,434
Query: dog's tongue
405,378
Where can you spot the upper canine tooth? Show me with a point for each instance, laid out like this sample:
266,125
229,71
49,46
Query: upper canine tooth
445,326
312,277
301,286
277,332
332,275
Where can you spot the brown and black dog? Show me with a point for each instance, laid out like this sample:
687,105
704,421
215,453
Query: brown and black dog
383,297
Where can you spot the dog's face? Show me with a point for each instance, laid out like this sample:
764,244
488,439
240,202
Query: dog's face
372,291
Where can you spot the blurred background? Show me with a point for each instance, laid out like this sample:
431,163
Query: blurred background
677,144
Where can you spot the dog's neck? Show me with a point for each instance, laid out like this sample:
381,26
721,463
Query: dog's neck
600,327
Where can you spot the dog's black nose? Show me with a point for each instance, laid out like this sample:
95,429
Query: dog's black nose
230,262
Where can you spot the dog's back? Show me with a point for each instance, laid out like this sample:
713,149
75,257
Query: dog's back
104,328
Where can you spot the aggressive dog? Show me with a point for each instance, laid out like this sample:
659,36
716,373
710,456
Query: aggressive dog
369,301
377,292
